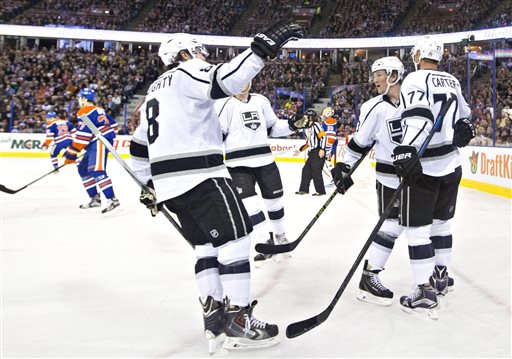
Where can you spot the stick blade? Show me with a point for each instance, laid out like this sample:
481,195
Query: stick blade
296,329
266,248
7,190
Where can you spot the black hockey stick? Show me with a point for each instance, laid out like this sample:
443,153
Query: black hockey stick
298,328
13,191
123,163
267,248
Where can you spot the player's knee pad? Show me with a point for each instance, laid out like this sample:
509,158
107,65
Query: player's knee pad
234,251
441,228
392,228
417,236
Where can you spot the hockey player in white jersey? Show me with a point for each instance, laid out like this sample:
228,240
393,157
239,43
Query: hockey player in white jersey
247,119
178,147
428,202
380,126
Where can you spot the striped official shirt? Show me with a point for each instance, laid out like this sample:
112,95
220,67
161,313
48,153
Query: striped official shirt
315,136
179,140
423,93
380,123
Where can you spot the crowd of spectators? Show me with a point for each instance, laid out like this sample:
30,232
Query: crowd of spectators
111,15
435,16
11,8
271,11
36,80
372,18
212,17
350,18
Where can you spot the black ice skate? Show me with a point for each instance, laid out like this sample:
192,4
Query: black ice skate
111,204
213,316
422,302
260,259
371,289
95,202
440,280
244,331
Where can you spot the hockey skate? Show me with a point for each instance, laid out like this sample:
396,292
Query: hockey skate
244,331
111,204
421,303
213,316
260,259
440,280
95,202
281,239
371,289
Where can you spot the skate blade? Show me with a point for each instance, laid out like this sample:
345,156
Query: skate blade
112,212
423,313
215,343
241,344
370,298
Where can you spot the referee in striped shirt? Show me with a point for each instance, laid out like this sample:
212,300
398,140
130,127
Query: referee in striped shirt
312,170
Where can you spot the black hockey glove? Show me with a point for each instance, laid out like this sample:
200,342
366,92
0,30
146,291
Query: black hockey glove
341,177
148,199
463,132
407,163
299,121
266,44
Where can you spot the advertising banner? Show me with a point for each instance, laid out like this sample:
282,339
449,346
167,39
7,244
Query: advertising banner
487,169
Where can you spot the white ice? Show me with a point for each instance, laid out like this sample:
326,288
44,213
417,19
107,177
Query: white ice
76,283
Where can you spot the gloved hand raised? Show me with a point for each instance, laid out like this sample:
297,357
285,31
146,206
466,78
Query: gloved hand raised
267,44
341,177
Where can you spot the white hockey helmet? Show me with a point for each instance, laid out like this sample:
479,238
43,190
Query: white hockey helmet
171,47
427,48
328,112
389,64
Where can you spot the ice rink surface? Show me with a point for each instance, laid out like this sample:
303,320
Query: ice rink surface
76,283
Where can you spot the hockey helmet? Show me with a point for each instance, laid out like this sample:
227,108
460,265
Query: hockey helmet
171,47
328,112
50,115
389,64
86,95
427,48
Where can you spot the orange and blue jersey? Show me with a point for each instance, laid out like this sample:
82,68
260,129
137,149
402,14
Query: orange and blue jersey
84,136
330,126
58,131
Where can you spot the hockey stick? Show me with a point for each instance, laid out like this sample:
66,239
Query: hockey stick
298,328
13,191
267,248
123,163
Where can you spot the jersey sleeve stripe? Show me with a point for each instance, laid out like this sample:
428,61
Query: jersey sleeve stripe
422,112
138,150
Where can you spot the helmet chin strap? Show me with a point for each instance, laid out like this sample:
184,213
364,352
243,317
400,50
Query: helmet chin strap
389,84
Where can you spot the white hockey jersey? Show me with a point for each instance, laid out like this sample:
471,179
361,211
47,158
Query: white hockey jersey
246,126
423,93
380,123
179,131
